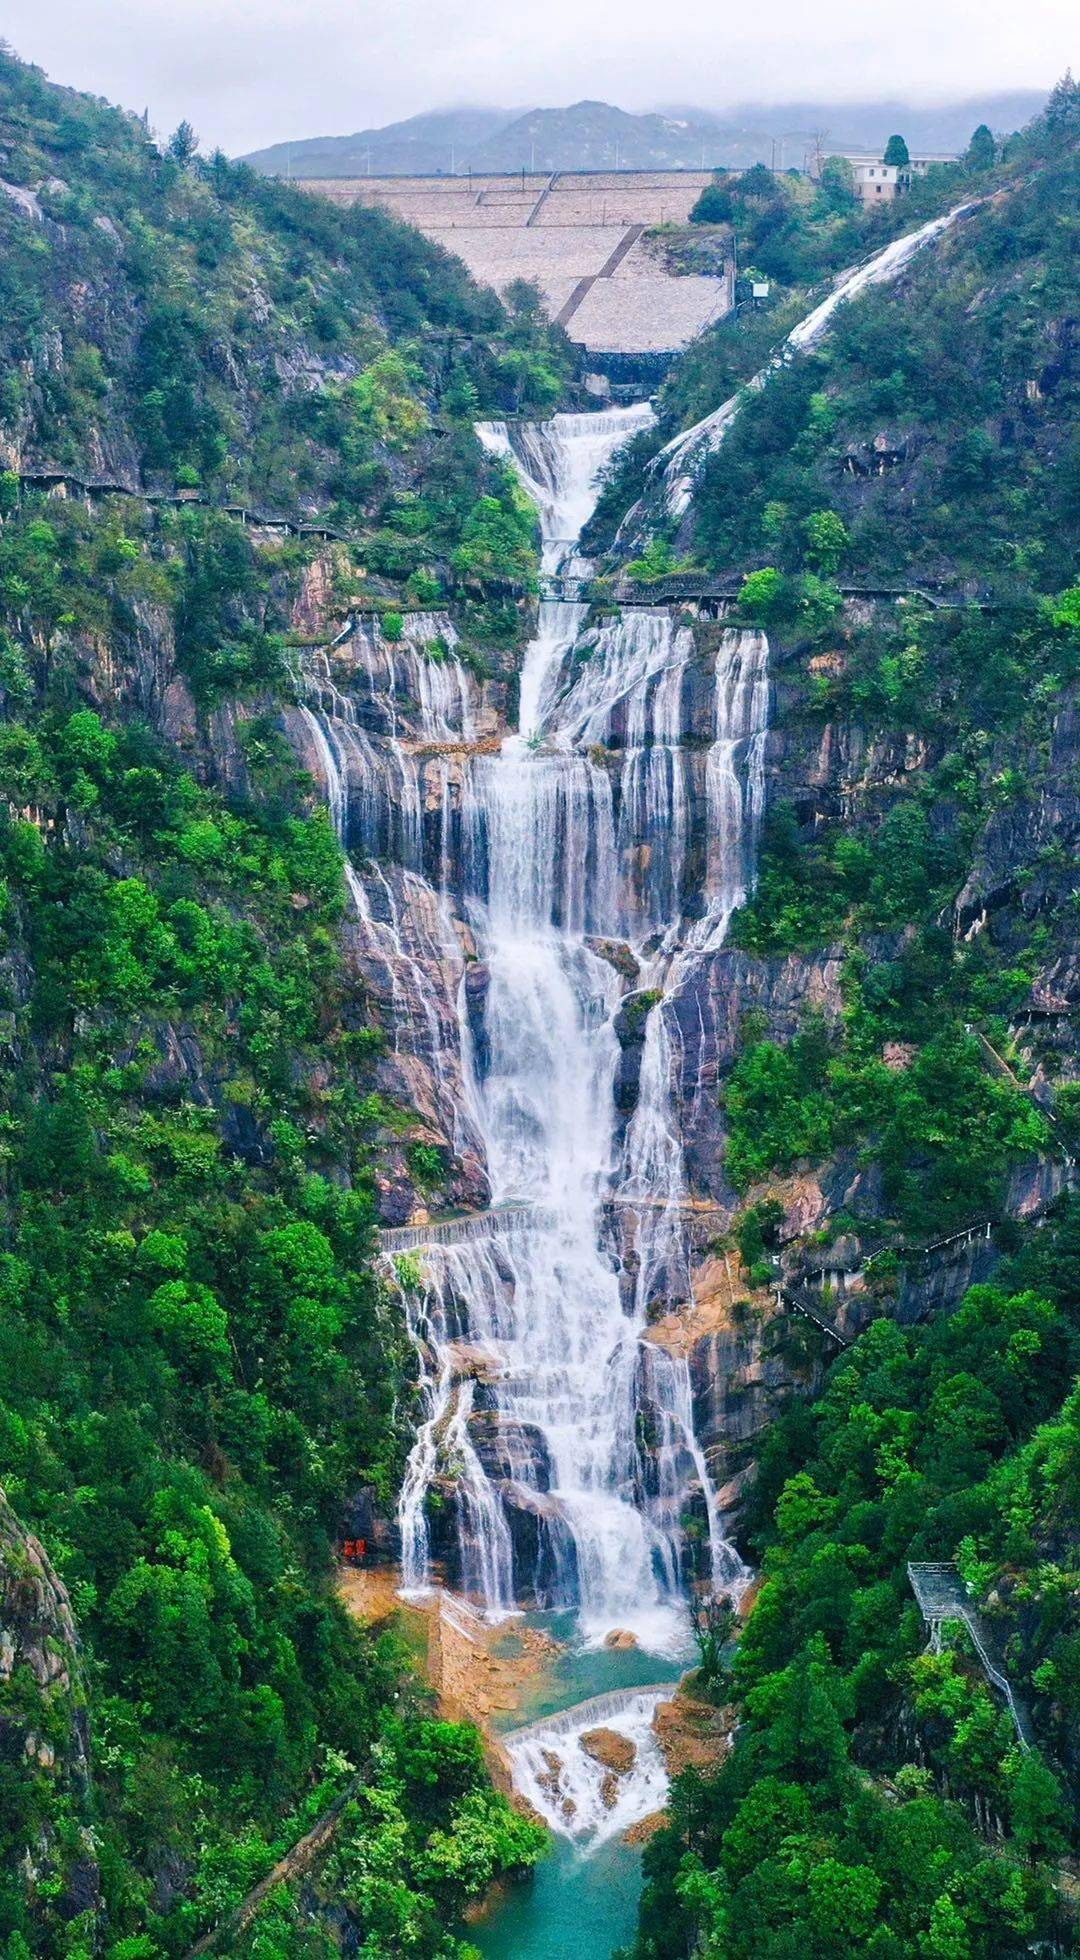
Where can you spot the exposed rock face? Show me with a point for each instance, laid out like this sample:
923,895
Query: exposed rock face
511,1451
394,731
387,729
411,964
1024,872
610,1749
710,1011
43,1723
692,1734
740,1380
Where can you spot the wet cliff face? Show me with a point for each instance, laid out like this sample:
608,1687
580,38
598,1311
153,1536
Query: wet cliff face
44,1732
631,835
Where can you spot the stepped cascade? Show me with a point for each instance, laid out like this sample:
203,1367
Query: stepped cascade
568,1786
505,893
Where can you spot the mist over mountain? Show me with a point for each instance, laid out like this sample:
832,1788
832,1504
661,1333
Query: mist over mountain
597,135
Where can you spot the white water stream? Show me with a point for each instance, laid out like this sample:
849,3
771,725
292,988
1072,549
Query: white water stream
556,1438
680,459
561,1438
581,1799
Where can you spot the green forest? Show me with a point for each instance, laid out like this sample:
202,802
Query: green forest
203,1372
199,1363
878,1798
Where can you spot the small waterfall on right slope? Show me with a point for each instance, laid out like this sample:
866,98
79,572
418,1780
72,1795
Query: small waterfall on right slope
678,461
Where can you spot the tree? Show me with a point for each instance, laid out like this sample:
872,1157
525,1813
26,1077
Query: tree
1039,1817
762,592
715,205
183,144
1062,113
981,150
826,539
714,1623
838,182
896,151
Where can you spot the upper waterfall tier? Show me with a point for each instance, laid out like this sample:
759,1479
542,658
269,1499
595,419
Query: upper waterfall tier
561,465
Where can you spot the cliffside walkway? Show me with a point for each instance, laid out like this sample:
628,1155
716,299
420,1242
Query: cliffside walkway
1005,1072
294,1864
794,1299
689,587
707,588
66,483
942,1596
461,1231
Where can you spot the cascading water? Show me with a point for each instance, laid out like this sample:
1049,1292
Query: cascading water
678,461
579,832
570,1787
559,1435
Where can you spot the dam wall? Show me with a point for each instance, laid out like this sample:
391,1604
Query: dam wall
597,244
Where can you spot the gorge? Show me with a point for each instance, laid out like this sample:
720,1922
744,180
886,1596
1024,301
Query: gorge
541,905
539,1062
540,895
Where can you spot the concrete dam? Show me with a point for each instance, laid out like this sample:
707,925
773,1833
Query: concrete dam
612,252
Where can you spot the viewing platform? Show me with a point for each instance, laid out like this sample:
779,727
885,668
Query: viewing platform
942,1597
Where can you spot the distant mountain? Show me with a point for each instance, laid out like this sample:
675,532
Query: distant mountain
441,140
858,125
598,136
594,136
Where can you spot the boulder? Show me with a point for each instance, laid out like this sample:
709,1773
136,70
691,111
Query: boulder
610,1749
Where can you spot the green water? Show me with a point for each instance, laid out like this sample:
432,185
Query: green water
576,1905
576,1674
573,1907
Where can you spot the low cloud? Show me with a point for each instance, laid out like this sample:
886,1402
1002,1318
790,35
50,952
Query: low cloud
250,72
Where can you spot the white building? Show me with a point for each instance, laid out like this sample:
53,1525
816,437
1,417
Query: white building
878,182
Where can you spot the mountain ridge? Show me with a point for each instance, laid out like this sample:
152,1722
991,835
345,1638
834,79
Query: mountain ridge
591,134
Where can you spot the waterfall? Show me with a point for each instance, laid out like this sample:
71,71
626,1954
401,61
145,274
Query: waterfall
678,461
573,1791
562,1435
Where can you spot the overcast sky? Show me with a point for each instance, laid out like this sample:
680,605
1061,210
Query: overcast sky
249,72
